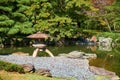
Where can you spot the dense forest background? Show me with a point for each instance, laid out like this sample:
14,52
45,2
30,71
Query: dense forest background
62,19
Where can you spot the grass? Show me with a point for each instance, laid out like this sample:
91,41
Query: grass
4,75
10,67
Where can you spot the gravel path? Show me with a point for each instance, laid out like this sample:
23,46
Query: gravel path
59,66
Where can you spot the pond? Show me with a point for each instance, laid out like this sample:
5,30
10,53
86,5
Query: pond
107,57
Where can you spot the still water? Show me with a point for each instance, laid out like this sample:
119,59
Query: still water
107,57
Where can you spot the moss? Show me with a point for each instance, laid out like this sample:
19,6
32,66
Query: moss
10,67
12,76
1,78
99,77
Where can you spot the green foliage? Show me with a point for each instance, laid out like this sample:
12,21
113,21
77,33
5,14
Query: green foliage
13,31
6,23
19,16
10,67
3,17
4,29
107,16
27,2
6,1
59,18
77,3
13,20
22,8
61,22
7,9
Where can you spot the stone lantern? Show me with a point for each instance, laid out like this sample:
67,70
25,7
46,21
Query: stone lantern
39,45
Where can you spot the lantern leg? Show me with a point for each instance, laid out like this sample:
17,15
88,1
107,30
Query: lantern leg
35,52
50,53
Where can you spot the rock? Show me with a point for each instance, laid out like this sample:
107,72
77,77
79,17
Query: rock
105,44
94,38
73,54
77,54
105,48
89,56
28,68
105,41
59,66
101,71
20,54
63,54
44,72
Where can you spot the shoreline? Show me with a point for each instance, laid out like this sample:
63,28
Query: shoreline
58,66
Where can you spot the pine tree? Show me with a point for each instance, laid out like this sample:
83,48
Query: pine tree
13,20
12,17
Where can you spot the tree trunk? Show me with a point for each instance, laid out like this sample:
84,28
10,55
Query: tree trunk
108,25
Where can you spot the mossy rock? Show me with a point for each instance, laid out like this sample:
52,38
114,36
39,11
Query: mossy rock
99,77
10,67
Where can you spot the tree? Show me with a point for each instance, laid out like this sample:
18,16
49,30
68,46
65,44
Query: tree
13,20
113,16
16,21
60,18
105,12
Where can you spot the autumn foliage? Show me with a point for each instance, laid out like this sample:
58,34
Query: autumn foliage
101,3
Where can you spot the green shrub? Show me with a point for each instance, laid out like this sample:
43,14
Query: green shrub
10,67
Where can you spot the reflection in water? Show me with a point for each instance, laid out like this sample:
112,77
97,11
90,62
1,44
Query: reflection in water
100,47
105,44
105,48
108,58
105,41
93,48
